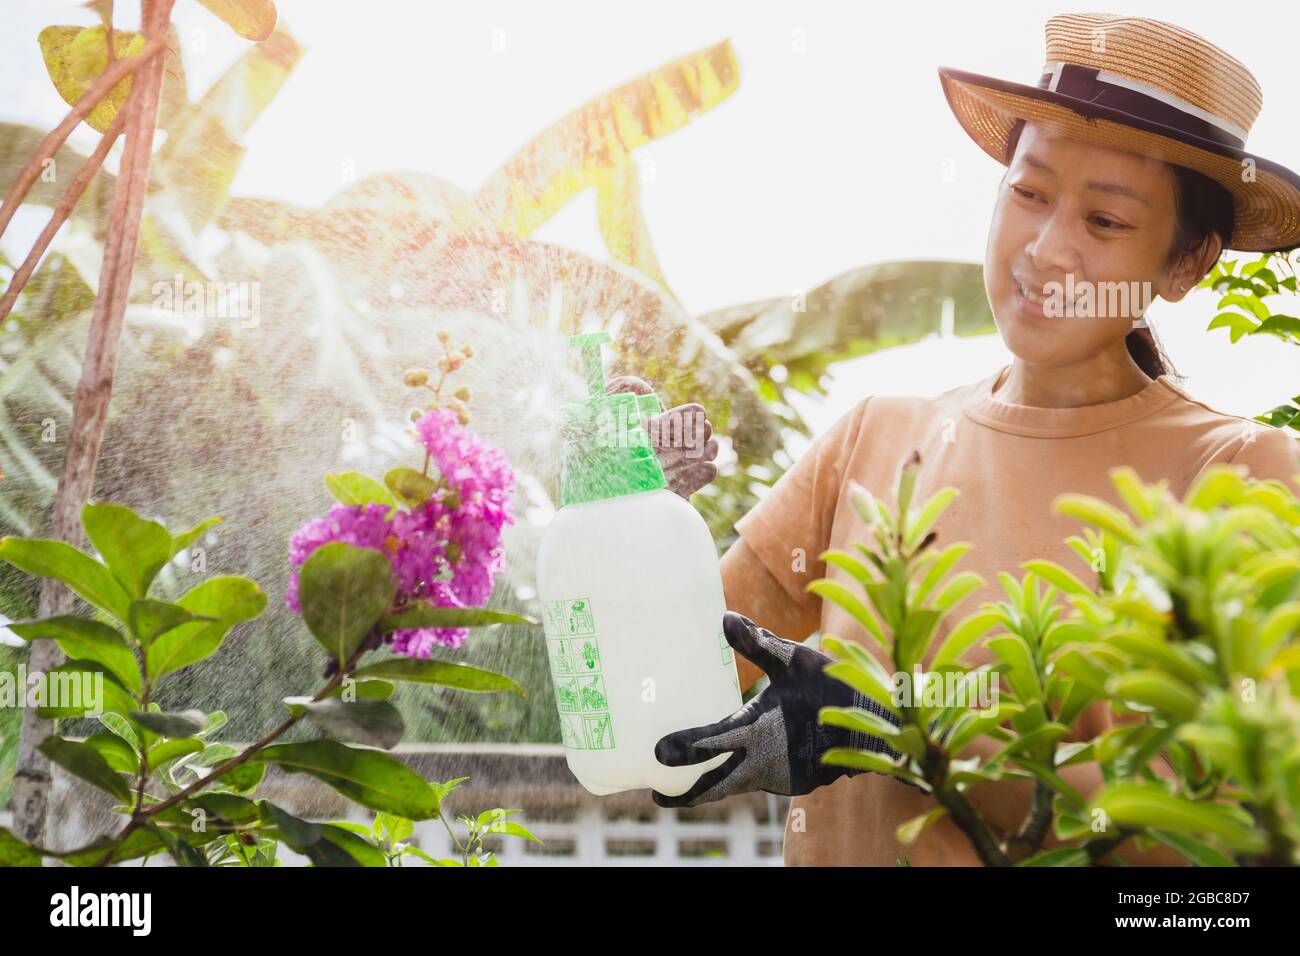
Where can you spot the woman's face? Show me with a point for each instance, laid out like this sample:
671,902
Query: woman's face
1098,222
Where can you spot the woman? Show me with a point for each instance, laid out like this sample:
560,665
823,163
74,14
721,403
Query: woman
1126,174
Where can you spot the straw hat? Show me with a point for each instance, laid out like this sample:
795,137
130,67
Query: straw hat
1147,87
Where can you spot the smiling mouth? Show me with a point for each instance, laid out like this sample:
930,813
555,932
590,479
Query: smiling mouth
1039,300
1033,297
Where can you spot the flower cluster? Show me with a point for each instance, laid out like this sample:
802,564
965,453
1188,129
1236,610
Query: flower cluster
446,550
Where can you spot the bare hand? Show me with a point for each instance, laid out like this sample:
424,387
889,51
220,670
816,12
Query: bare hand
681,437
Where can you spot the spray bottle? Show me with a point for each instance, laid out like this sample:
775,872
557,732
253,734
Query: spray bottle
632,599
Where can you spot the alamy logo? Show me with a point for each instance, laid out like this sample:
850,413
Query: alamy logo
196,301
134,910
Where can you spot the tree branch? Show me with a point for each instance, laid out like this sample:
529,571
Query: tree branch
93,96
61,213
90,404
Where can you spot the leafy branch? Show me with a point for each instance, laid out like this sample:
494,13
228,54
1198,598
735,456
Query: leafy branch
1191,639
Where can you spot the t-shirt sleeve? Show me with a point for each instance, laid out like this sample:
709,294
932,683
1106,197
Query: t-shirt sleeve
791,524
1271,453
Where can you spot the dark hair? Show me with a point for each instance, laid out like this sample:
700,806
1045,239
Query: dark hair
1201,206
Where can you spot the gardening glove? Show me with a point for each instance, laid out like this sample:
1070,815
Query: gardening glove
681,437
775,739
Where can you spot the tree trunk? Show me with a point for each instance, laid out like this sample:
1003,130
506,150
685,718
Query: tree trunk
32,778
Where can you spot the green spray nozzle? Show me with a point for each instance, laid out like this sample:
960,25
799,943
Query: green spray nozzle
590,344
606,451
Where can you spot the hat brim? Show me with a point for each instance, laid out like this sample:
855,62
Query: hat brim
1267,208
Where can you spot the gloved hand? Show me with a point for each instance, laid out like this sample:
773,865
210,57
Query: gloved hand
776,739
681,437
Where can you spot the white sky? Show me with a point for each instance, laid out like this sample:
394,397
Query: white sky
822,160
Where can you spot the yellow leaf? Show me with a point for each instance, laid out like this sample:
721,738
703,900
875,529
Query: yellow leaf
592,147
251,19
907,833
77,56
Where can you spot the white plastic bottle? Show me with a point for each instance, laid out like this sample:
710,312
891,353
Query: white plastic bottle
632,600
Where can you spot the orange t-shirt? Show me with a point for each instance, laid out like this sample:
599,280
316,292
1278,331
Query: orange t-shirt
1008,463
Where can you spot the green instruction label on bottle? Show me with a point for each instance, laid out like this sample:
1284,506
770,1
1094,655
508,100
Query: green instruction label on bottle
580,693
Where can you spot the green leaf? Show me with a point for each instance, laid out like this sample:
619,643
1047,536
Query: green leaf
1150,807
1038,742
1236,324
1014,652
510,828
1149,648
908,833
446,673
929,514
84,761
941,566
859,655
956,590
411,486
354,488
14,852
1053,573
969,630
1285,327
213,722
179,847
226,598
362,851
861,679
121,727
372,689
1099,513
915,637
166,750
1135,494
225,806
61,561
117,753
344,590
251,19
77,684
306,837
1064,856
865,760
375,723
245,777
1195,851
1247,303
837,593
83,639
134,548
856,718
1156,689
421,613
149,619
144,841
367,777
184,724
395,829
186,538
842,559
972,726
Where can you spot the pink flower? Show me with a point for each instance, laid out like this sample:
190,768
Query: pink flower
362,525
446,551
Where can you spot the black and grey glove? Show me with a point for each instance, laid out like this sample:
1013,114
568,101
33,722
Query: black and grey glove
776,739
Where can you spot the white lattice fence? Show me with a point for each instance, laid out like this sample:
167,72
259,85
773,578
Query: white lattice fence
577,828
